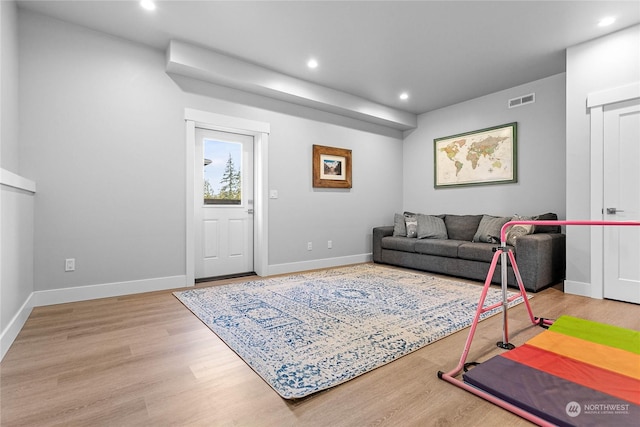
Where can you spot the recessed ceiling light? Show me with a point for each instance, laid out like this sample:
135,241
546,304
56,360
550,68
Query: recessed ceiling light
148,4
404,96
312,63
606,21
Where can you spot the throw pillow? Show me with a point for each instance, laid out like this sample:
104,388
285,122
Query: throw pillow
489,229
399,227
462,227
518,230
547,228
411,222
431,227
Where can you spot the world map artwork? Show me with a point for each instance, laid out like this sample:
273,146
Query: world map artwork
476,158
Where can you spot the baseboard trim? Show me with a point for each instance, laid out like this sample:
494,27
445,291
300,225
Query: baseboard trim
10,333
106,290
577,288
315,264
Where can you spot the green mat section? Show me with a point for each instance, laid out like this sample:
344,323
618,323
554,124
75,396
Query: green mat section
612,336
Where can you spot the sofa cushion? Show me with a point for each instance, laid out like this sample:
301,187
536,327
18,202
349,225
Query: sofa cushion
547,228
444,248
399,227
431,227
404,244
489,229
462,227
477,251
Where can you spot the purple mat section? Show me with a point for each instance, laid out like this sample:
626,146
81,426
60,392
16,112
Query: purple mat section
551,398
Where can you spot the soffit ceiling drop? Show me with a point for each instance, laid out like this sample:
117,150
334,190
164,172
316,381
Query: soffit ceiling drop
203,64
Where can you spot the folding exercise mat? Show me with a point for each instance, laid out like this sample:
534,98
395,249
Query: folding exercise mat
576,373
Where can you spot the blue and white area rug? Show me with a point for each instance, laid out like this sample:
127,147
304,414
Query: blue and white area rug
308,332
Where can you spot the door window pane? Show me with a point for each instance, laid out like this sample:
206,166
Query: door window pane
222,172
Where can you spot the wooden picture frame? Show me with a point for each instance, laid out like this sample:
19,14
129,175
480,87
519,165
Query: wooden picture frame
482,157
331,167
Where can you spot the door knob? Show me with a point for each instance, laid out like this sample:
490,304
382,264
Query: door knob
250,211
613,211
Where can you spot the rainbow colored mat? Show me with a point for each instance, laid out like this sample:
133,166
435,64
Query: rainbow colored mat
576,373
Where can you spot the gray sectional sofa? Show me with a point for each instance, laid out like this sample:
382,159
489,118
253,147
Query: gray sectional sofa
462,245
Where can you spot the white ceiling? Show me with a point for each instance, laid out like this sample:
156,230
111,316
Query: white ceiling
440,52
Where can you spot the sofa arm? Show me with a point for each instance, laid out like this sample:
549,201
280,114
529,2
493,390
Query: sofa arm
541,259
378,234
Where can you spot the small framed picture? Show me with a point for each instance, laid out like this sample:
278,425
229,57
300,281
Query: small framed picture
331,167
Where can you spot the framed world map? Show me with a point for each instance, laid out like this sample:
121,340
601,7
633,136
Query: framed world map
486,156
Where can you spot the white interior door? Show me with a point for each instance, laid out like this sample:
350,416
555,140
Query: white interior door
223,204
621,252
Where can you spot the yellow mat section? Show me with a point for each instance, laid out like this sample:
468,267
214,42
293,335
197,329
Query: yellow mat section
601,333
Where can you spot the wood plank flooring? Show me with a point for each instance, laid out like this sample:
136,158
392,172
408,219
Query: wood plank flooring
147,360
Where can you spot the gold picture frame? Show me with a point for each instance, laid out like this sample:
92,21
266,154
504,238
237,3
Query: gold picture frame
331,167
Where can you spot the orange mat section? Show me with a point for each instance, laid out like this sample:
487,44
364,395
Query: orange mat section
609,358
608,382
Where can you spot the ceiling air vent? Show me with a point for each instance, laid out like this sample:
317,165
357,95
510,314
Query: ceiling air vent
522,100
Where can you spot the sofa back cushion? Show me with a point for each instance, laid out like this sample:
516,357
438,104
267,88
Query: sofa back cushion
431,227
462,227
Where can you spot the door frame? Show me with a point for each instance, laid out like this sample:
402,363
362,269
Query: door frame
260,132
596,103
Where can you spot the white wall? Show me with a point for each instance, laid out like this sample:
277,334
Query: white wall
16,203
603,63
540,152
17,254
16,264
9,87
346,217
100,134
103,135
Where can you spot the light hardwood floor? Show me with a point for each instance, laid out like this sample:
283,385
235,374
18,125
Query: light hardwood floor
146,360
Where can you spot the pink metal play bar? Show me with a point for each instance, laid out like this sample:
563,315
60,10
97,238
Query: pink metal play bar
503,252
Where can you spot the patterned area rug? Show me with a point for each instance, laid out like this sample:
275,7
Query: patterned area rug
308,332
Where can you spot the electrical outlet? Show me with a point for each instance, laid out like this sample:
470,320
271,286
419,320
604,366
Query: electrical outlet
309,246
70,264
329,244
